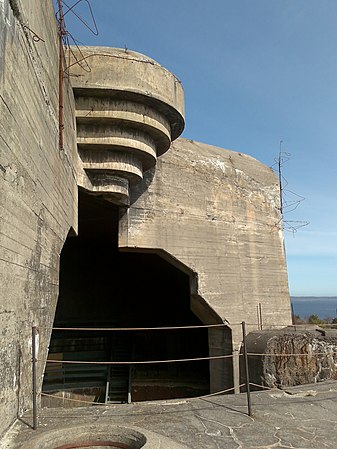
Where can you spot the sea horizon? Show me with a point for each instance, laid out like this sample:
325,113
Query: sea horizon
322,306
314,297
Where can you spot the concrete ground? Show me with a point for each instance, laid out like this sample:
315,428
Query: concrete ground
298,418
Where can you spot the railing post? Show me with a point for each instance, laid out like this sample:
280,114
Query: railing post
34,332
245,357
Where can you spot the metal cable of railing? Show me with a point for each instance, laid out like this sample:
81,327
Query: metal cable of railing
217,393
139,362
245,354
267,327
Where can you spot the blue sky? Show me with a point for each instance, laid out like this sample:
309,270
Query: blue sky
254,72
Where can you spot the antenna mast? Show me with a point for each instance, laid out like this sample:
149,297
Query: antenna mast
289,201
280,177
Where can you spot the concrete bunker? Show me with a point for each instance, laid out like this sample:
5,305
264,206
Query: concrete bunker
101,287
221,205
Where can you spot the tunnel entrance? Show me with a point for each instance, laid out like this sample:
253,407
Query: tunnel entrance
101,287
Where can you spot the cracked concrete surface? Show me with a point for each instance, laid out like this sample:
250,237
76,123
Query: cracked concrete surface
302,417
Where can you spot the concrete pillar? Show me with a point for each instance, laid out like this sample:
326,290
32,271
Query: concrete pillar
236,371
220,343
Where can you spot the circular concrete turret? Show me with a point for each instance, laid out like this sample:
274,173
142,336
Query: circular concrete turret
128,110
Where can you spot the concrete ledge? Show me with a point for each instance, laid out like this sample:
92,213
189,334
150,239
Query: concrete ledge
127,103
114,70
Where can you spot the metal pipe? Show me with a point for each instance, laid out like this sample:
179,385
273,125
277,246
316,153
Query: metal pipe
260,314
280,178
245,356
34,331
61,32
258,318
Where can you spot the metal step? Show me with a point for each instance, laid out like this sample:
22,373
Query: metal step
118,386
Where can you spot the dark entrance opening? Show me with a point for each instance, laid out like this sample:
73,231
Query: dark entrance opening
101,287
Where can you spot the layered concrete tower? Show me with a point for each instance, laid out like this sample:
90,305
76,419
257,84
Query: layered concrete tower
128,110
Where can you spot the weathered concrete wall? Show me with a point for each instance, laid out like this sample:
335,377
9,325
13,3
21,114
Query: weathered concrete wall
128,109
279,361
37,188
216,211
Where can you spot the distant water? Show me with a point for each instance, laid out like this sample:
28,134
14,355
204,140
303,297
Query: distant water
322,306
